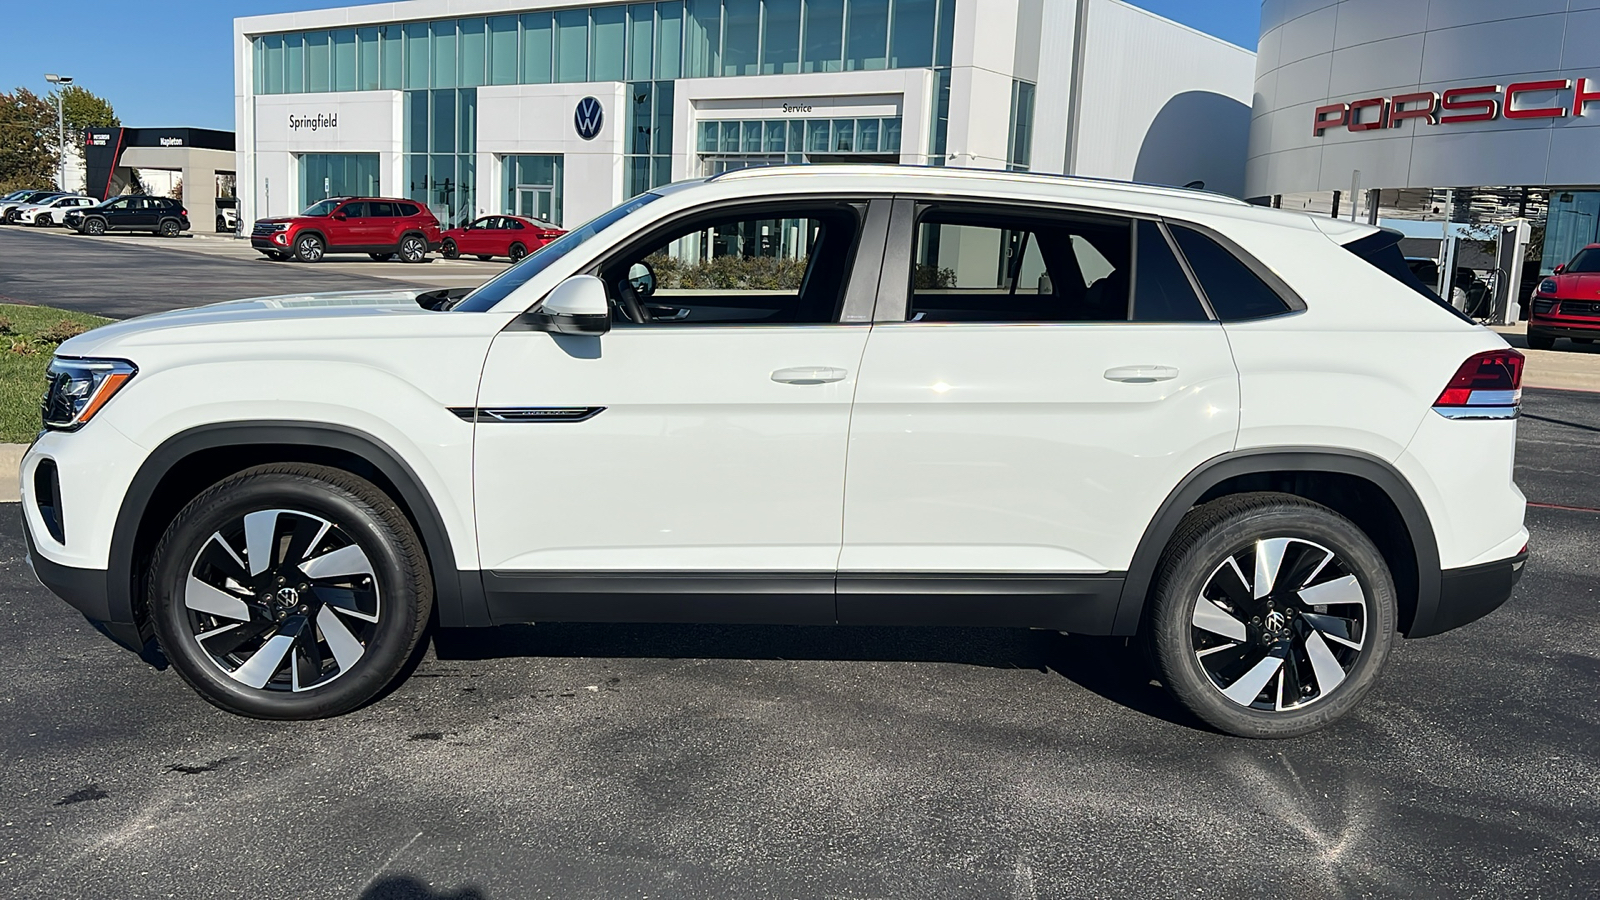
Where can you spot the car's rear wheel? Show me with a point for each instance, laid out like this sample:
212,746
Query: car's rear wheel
290,591
1272,615
413,249
381,257
94,226
169,228
308,248
449,250
1537,341
518,251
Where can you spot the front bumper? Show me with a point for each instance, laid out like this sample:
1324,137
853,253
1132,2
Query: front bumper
1566,328
1470,593
86,591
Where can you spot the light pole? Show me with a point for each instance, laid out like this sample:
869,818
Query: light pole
61,127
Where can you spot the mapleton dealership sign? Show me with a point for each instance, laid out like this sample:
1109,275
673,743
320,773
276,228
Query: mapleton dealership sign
1478,103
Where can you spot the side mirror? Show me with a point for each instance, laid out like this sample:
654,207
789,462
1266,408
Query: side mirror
339,216
642,279
576,306
1561,268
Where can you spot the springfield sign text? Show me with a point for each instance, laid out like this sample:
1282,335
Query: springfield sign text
1558,99
313,122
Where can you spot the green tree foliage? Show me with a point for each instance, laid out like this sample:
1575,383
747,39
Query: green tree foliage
82,109
28,155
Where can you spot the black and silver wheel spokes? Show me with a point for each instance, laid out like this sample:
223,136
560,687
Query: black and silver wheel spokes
282,600
1279,624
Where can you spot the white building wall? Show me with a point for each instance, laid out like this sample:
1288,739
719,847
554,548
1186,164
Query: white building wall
1161,102
537,119
367,122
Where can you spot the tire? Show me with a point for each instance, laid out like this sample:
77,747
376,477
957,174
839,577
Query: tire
1210,655
1537,341
518,251
169,228
381,257
42,220
413,249
11,216
264,646
308,248
94,225
449,250
222,224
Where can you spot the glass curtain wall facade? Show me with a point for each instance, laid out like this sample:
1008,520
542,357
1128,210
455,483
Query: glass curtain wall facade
1019,142
1572,224
649,143
324,175
441,134
725,145
623,42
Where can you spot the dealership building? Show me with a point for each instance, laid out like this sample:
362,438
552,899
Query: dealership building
560,111
1471,111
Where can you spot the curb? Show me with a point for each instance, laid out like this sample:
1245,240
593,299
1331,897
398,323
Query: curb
10,471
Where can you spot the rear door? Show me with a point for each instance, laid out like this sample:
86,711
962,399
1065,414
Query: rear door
1035,384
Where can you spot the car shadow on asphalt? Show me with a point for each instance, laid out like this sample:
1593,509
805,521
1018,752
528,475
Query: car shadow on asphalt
1112,668
404,887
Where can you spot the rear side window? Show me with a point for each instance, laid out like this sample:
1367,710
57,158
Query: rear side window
1161,292
380,209
1382,252
1236,293
407,209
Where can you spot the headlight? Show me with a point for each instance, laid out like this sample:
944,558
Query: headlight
1548,286
76,389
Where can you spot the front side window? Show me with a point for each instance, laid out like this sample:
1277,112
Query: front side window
1587,261
783,266
320,208
501,286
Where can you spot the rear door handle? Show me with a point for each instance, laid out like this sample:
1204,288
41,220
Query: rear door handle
1141,374
809,375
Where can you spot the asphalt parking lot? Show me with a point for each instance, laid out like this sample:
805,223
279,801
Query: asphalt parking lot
608,761
123,275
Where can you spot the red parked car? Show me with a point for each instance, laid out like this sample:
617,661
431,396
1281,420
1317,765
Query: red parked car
380,227
1567,304
491,236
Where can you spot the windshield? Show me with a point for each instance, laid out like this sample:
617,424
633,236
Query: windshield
484,298
321,208
1587,261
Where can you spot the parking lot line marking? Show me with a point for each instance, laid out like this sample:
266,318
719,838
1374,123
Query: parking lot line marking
1587,509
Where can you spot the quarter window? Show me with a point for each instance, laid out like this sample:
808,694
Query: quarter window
1235,292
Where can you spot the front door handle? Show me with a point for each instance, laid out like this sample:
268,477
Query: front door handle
1141,374
809,375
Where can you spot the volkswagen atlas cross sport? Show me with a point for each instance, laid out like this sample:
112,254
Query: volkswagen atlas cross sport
1567,304
842,394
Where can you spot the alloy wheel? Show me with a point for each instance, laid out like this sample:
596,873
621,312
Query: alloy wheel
282,600
412,249
309,249
169,228
42,220
518,252
1279,624
95,226
449,250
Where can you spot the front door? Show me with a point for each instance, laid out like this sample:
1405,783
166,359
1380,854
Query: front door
536,203
1027,401
689,463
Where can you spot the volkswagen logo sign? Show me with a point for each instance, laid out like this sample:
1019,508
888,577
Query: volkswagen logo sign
588,118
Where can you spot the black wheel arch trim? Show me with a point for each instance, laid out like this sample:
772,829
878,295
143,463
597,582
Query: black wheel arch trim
458,595
1146,559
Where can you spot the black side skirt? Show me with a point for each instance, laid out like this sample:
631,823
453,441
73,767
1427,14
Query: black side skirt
1084,604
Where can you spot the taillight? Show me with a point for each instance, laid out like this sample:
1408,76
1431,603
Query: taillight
1487,386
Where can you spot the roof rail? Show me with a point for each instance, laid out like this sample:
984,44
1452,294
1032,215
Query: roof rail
926,171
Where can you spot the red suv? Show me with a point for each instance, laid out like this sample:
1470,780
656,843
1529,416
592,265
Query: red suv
382,228
1567,304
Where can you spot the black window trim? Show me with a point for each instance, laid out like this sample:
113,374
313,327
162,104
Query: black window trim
865,264
894,291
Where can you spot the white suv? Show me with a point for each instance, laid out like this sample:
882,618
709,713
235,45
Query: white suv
854,395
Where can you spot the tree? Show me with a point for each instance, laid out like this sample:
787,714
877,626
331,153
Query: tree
82,109
28,152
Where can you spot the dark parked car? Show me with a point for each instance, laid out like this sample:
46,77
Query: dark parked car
380,227
157,215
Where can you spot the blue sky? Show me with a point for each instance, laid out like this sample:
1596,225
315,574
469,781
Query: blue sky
170,62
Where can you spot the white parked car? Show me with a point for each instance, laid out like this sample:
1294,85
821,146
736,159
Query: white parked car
52,212
843,394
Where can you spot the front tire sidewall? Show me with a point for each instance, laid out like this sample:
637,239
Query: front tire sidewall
405,592
1184,576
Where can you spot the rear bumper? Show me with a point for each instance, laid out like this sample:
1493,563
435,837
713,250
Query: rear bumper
1470,593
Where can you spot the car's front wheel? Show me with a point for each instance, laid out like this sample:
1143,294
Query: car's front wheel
449,250
42,220
413,249
290,591
1271,616
308,248
94,226
1538,341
